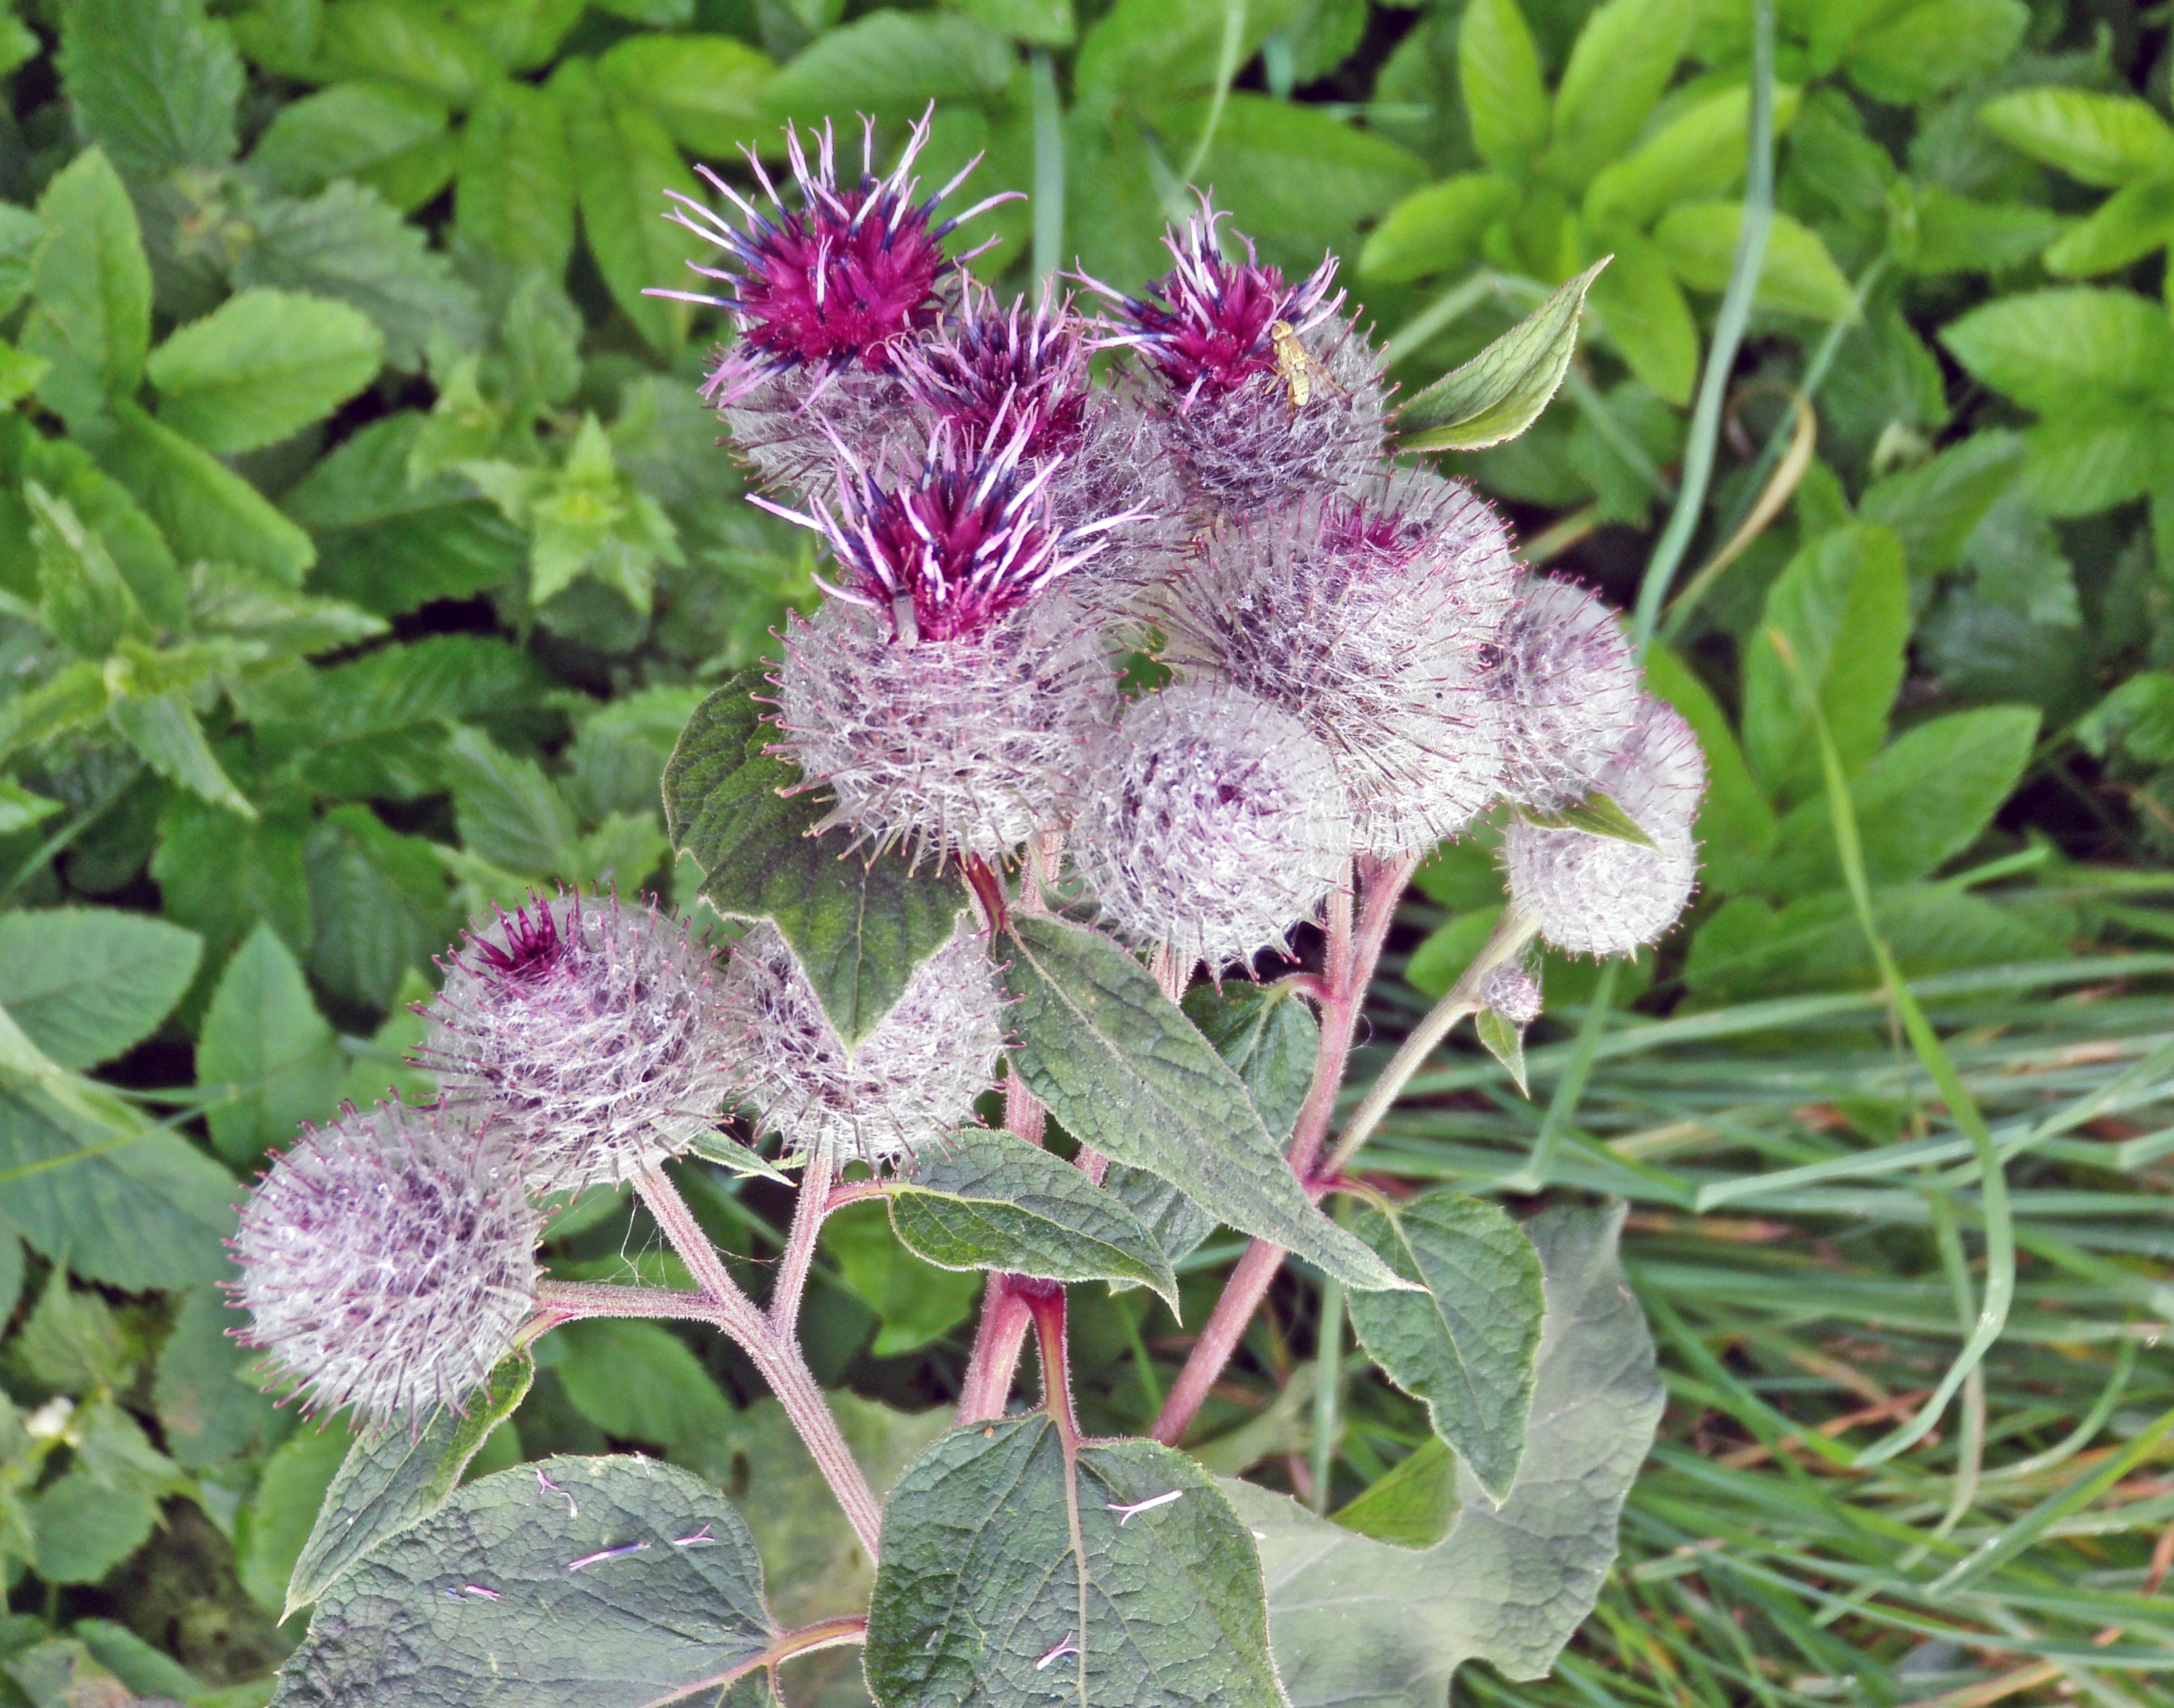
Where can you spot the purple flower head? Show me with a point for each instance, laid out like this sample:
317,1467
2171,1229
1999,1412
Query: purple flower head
991,367
1204,325
834,281
531,952
945,554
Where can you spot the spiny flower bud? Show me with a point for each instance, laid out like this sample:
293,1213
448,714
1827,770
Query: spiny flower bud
825,293
911,1080
1599,895
387,1260
1264,392
1372,621
940,698
1571,688
589,1031
1514,994
1211,822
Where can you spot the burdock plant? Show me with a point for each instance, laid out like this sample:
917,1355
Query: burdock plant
1133,702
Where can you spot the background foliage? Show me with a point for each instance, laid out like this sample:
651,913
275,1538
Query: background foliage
363,549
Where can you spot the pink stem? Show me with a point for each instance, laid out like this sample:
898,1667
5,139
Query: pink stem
1046,1300
808,1210
1347,969
987,1385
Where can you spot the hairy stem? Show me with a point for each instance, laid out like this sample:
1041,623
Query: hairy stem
1347,970
1045,1300
776,1355
808,1210
996,1342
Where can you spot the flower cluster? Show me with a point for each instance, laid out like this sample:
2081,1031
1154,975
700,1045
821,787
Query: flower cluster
1360,666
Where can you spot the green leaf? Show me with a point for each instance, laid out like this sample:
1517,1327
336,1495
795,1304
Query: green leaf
1640,310
1296,178
379,899
1143,51
1414,1504
1003,1543
209,1410
1931,509
72,1341
1923,800
623,163
1498,68
1038,23
641,1382
1128,1074
1270,1038
656,1624
389,544
1934,46
2069,352
276,1524
91,287
1698,153
707,91
1957,235
513,194
1842,605
2138,717
1505,1041
87,984
915,1302
85,1527
989,1200
388,1486
391,138
349,243
1437,229
20,810
521,35
265,1052
404,43
1355,1620
1622,60
1597,815
163,730
21,231
892,63
1466,1344
84,602
152,81
1800,276
239,603
220,873
2135,220
2107,140
261,365
1736,824
2073,468
139,551
860,924
206,509
508,810
1500,392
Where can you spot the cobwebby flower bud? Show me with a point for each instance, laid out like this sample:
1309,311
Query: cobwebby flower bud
387,1260
1211,822
912,1079
939,692
1599,895
1571,688
1263,392
825,293
589,1032
1373,622
1514,994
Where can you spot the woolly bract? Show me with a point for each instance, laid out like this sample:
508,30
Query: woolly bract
966,746
1514,994
911,1080
387,1261
1599,895
1373,622
1210,823
1570,689
787,429
589,1031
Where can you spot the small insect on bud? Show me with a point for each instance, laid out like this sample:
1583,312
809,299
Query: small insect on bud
1514,994
590,1031
387,1260
1263,393
1571,688
1211,822
1600,896
940,697
1372,621
906,1084
825,293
